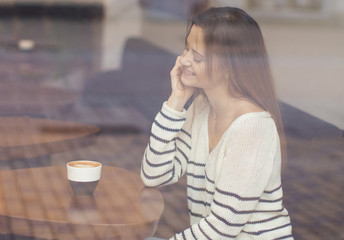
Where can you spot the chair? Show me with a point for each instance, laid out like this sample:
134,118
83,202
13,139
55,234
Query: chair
143,82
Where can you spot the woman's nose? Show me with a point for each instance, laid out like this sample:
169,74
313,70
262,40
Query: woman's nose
185,60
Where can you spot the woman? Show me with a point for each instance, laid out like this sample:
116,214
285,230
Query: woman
228,141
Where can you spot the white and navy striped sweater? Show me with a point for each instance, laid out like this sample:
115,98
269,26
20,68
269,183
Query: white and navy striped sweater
234,192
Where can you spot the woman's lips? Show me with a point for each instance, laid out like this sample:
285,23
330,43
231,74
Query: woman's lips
188,73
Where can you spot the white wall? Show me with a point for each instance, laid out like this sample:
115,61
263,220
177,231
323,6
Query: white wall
339,7
308,66
232,3
122,21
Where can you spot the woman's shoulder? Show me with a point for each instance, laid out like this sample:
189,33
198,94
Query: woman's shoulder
254,123
255,130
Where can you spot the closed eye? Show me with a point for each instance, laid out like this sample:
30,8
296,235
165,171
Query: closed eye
197,57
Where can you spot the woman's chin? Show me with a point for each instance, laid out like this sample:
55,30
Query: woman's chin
187,82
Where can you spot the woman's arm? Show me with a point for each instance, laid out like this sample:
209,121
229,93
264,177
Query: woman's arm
166,155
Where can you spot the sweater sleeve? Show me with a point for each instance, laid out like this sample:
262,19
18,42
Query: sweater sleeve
244,173
166,156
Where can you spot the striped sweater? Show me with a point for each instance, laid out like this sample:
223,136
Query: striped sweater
234,191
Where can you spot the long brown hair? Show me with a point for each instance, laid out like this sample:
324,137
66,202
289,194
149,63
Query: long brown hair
235,39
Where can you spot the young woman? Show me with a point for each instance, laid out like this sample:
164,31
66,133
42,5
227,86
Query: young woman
228,142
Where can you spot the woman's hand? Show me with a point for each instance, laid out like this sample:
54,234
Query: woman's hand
180,93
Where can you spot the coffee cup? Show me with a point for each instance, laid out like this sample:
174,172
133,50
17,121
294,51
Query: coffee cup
83,176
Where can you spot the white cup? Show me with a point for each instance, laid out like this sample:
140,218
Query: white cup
83,176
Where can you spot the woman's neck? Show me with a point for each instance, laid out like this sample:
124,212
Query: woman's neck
223,105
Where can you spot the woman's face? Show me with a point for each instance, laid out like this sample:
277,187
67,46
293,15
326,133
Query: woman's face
194,72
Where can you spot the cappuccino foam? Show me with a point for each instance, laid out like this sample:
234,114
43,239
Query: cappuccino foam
85,164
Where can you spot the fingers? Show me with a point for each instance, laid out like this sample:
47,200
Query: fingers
177,67
184,53
180,85
176,64
179,62
176,73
